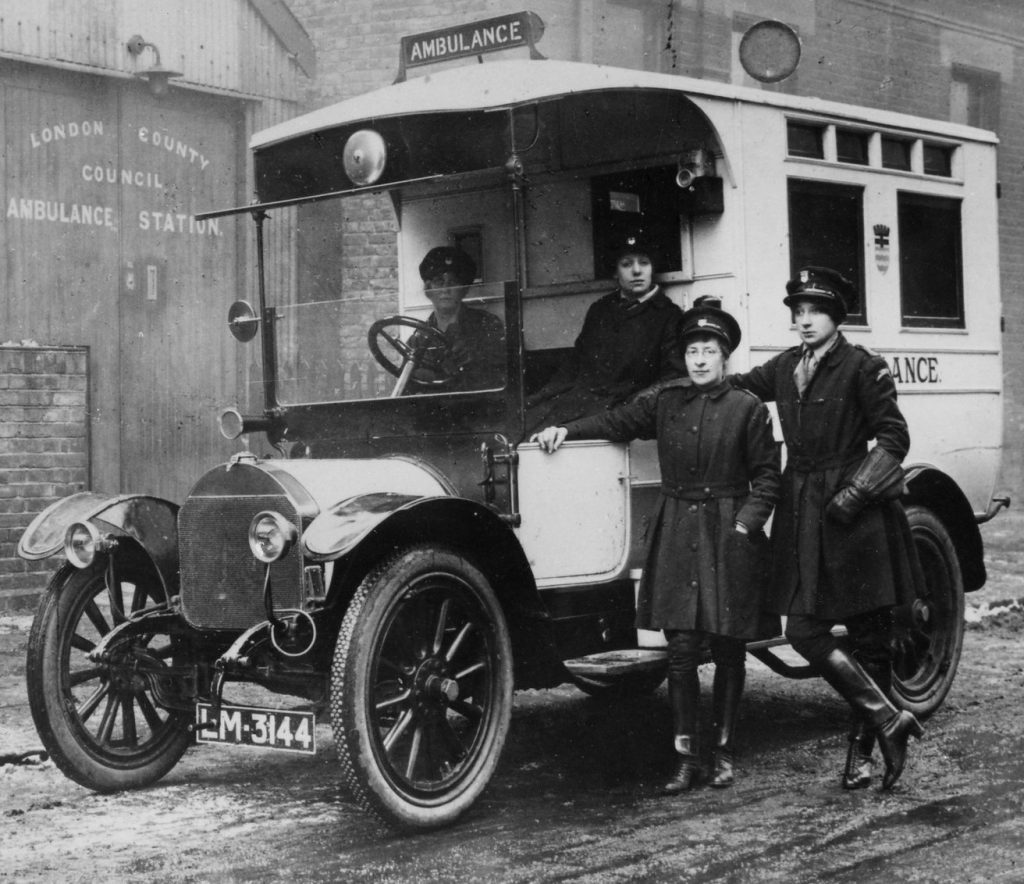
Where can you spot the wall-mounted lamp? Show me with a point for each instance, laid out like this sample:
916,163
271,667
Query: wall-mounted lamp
157,76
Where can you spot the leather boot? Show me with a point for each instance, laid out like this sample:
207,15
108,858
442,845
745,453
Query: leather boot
685,775
727,692
684,698
859,758
891,727
893,737
860,761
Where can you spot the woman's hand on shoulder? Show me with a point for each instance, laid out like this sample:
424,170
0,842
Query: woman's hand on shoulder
550,438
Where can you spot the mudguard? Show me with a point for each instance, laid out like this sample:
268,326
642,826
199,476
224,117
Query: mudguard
151,521
365,528
338,529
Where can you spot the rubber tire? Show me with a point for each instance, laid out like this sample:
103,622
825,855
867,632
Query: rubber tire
927,656
94,763
407,579
640,684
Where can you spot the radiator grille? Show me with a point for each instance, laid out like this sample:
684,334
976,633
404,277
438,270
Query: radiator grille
221,582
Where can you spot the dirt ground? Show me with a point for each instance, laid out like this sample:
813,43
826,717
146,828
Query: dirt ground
574,798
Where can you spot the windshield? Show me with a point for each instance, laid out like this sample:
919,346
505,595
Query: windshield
391,295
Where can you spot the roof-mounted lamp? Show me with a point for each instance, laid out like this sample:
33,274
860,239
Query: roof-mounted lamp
157,75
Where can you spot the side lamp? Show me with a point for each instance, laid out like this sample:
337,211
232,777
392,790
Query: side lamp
157,75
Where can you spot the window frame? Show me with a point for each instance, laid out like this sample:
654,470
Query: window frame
931,202
857,314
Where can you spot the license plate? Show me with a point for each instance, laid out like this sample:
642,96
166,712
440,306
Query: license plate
281,729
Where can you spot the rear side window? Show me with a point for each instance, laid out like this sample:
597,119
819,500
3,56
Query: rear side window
931,263
825,229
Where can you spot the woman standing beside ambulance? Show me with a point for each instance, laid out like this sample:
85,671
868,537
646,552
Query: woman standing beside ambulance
706,558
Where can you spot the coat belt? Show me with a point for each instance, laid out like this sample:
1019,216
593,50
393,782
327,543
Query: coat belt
811,463
707,491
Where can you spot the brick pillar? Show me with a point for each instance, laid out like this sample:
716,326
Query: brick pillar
44,454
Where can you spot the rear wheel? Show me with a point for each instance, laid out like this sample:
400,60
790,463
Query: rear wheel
421,688
100,722
930,636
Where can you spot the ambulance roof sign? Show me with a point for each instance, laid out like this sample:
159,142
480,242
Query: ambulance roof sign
475,38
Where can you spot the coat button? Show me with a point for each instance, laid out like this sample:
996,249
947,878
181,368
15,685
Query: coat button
693,429
693,507
707,490
693,546
693,583
693,471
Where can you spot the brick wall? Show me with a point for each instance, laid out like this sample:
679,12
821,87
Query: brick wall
43,452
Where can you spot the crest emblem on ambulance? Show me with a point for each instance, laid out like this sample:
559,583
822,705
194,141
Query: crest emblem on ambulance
881,247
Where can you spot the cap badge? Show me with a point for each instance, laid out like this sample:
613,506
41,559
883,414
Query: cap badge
804,276
702,322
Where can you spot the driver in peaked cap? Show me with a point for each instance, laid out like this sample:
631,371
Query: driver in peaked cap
706,562
841,542
474,355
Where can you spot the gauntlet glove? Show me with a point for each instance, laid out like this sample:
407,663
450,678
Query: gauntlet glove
879,477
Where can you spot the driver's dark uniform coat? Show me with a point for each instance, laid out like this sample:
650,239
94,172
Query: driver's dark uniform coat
719,465
823,568
475,355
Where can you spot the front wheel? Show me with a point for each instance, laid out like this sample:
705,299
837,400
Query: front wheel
930,636
101,722
421,688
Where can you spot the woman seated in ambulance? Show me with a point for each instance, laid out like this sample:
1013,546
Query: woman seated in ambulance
629,340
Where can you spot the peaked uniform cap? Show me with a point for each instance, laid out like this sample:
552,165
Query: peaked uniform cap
443,259
820,284
634,243
705,319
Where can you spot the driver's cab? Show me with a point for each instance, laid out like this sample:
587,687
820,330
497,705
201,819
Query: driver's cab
532,192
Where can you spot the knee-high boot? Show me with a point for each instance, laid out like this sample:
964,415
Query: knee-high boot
684,698
860,761
727,693
891,727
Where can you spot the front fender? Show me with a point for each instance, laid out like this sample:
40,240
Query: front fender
366,529
151,521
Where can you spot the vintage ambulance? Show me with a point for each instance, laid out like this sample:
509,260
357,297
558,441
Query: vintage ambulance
387,547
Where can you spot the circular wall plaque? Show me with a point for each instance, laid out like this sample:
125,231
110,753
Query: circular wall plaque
770,51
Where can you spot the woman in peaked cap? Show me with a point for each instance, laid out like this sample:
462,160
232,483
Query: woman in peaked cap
842,546
706,556
474,355
629,340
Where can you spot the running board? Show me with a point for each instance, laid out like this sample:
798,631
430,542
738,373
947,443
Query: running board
623,662
628,661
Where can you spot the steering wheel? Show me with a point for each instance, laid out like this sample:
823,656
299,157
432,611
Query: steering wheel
427,340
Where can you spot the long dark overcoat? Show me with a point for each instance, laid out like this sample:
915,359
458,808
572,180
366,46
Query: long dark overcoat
822,567
623,347
719,465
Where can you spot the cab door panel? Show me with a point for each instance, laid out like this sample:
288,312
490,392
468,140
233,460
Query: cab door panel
575,511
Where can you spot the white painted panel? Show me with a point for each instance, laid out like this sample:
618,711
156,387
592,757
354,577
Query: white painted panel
575,508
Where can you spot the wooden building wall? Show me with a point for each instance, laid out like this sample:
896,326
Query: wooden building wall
101,183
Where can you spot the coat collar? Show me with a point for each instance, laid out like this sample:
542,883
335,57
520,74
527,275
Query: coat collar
715,392
836,353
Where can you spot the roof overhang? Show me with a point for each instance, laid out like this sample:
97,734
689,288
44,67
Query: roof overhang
503,84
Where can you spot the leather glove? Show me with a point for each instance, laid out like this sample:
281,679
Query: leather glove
846,504
879,477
